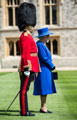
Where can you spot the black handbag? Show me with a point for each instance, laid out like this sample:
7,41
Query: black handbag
55,75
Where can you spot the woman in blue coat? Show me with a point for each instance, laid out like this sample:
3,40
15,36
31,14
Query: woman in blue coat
44,83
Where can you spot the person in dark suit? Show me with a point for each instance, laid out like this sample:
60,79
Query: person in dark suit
44,83
29,63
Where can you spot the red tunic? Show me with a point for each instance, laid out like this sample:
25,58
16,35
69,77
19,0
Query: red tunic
28,46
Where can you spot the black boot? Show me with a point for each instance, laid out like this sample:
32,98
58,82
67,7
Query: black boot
28,114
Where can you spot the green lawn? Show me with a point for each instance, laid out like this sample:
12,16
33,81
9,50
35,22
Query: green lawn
63,104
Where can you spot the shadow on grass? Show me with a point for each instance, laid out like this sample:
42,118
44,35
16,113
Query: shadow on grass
9,112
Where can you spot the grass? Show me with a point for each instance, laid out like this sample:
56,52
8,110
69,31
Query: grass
63,104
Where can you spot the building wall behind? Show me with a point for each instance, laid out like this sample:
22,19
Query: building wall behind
69,14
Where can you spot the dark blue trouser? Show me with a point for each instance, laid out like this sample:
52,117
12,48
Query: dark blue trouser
24,87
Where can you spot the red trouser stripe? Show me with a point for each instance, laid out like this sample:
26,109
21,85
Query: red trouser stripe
23,95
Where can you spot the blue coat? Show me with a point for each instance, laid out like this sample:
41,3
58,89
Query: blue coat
44,83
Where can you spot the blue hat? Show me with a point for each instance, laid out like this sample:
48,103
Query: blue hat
43,32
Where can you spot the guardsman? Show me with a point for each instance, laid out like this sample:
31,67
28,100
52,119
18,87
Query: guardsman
29,64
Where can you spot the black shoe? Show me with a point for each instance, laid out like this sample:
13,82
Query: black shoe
28,114
41,111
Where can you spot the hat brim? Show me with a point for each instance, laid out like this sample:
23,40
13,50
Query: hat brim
44,35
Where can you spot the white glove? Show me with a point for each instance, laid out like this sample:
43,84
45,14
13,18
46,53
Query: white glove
27,73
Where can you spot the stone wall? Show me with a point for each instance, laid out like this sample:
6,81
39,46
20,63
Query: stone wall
10,62
68,41
7,33
69,14
65,61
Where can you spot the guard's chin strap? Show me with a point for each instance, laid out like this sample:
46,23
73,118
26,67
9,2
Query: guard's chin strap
24,30
30,27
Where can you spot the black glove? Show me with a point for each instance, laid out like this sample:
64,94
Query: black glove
53,68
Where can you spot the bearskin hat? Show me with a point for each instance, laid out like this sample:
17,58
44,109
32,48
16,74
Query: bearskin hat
26,15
